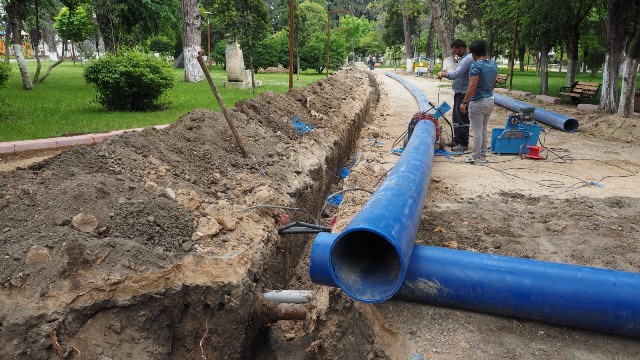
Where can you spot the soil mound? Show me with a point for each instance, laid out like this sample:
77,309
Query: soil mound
142,245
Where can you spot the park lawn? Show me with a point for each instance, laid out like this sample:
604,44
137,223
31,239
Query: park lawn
64,105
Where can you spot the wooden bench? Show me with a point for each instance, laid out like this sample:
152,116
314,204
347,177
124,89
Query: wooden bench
580,91
501,80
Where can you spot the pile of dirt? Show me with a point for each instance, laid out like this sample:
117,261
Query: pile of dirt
145,239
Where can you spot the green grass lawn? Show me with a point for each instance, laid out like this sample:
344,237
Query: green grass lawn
65,105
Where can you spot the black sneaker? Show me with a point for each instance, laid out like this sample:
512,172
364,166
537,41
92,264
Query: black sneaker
459,148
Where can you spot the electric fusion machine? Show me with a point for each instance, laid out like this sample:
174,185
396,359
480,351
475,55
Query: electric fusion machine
519,135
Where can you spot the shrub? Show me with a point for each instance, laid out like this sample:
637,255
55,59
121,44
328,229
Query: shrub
129,81
162,45
5,73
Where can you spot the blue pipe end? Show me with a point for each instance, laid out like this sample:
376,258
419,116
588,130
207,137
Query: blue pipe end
366,265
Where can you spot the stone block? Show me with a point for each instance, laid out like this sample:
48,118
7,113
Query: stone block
240,85
74,140
588,107
100,137
39,144
7,148
549,99
501,90
520,93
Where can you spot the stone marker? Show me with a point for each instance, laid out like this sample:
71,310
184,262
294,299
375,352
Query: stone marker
549,99
588,107
237,76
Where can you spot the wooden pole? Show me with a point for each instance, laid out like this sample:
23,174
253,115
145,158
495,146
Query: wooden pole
291,14
209,40
225,112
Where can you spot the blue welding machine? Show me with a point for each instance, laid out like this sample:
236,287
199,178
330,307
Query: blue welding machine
518,135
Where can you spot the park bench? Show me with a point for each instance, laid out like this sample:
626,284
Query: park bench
580,91
501,80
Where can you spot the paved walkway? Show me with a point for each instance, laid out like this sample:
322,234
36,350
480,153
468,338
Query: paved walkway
15,147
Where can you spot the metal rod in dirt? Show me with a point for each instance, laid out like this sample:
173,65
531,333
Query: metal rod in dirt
288,296
225,112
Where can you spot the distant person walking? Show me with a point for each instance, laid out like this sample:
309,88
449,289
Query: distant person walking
460,77
478,101
372,62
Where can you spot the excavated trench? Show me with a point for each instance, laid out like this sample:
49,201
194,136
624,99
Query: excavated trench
142,247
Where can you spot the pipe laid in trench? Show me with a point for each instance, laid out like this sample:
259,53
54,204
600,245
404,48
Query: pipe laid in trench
369,258
577,296
553,119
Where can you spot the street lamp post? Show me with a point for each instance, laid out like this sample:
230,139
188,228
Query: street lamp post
208,36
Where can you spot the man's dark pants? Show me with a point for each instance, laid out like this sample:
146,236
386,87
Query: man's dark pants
460,122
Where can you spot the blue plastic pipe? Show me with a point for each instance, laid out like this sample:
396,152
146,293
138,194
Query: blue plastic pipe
553,119
368,260
570,295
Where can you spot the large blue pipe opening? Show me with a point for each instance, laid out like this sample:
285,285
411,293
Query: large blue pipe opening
563,294
368,260
553,119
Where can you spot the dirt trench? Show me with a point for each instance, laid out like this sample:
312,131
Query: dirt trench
142,247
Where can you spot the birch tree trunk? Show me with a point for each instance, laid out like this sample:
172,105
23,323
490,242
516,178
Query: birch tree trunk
625,109
192,37
617,14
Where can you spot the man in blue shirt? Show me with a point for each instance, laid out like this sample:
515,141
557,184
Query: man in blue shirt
460,77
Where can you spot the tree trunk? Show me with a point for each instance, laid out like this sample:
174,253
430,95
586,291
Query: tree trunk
35,42
7,31
16,11
429,49
585,55
544,69
521,54
50,34
444,30
573,65
561,56
491,40
629,77
617,13
407,32
192,38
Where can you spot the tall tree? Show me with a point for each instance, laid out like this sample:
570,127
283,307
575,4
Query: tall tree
616,21
541,20
575,12
630,73
191,21
406,31
16,9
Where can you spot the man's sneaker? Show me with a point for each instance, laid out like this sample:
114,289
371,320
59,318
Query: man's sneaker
483,161
470,161
459,148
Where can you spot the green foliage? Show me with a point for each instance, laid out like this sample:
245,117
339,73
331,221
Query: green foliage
218,52
124,22
129,81
372,43
79,27
5,73
161,44
313,55
272,51
355,29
